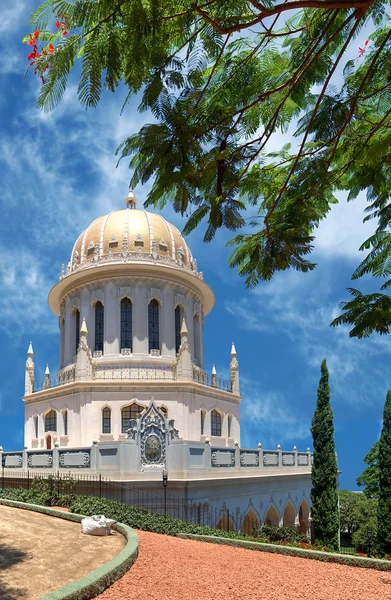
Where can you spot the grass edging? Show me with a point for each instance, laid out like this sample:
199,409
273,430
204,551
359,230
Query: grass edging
342,559
99,579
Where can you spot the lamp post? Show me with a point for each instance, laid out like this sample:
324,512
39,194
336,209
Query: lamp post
165,481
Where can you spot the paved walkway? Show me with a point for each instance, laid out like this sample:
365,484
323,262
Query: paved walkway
39,553
169,568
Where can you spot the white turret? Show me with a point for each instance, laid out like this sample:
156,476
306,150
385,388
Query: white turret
234,371
214,378
29,375
84,360
46,382
184,366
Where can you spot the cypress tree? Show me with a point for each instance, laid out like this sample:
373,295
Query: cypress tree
384,462
324,493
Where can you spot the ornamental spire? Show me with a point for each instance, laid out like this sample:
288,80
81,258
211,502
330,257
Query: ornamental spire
130,200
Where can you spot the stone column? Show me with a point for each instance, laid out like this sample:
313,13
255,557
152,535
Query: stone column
140,321
68,350
61,323
111,331
167,326
86,313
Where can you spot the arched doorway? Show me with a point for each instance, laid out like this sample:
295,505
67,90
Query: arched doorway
227,524
304,513
272,517
250,522
48,442
289,516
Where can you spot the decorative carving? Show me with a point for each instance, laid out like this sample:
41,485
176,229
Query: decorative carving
155,294
180,299
98,354
154,352
174,433
78,460
197,309
288,459
223,458
126,352
95,296
249,459
13,461
302,459
125,292
270,459
132,431
153,434
125,255
40,460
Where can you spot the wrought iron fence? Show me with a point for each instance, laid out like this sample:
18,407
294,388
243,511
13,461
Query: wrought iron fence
158,501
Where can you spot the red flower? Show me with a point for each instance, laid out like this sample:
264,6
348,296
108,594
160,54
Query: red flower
65,33
36,34
51,48
31,42
362,50
58,24
42,79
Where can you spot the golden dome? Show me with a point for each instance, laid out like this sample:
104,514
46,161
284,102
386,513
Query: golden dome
133,233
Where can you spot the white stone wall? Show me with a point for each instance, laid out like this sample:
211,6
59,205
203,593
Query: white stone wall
85,414
140,291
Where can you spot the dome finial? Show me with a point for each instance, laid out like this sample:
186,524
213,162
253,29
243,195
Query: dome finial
130,200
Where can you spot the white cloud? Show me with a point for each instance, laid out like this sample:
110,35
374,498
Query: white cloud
301,308
24,285
343,231
270,412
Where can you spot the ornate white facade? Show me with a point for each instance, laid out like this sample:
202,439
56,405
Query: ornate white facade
131,397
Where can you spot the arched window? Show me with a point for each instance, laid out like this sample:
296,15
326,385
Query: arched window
229,425
106,420
51,421
202,422
65,417
177,328
153,325
128,413
126,324
215,423
36,425
77,329
99,326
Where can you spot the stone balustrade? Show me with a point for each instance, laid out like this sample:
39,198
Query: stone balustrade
196,459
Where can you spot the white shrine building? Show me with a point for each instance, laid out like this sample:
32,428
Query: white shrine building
131,398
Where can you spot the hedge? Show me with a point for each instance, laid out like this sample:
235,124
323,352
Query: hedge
143,519
342,559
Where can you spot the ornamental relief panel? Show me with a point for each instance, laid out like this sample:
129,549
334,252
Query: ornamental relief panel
155,294
95,296
125,292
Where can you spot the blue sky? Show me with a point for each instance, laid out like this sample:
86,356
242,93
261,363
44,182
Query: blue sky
58,172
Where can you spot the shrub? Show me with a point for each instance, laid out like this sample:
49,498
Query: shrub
282,534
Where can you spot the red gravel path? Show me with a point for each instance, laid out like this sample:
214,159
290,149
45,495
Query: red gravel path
169,568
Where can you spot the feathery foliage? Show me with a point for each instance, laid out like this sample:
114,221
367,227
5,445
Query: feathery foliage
324,493
221,78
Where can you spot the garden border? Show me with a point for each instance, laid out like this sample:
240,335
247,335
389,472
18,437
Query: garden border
342,559
99,579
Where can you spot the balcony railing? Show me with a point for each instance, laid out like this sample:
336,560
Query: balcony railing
210,380
159,373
